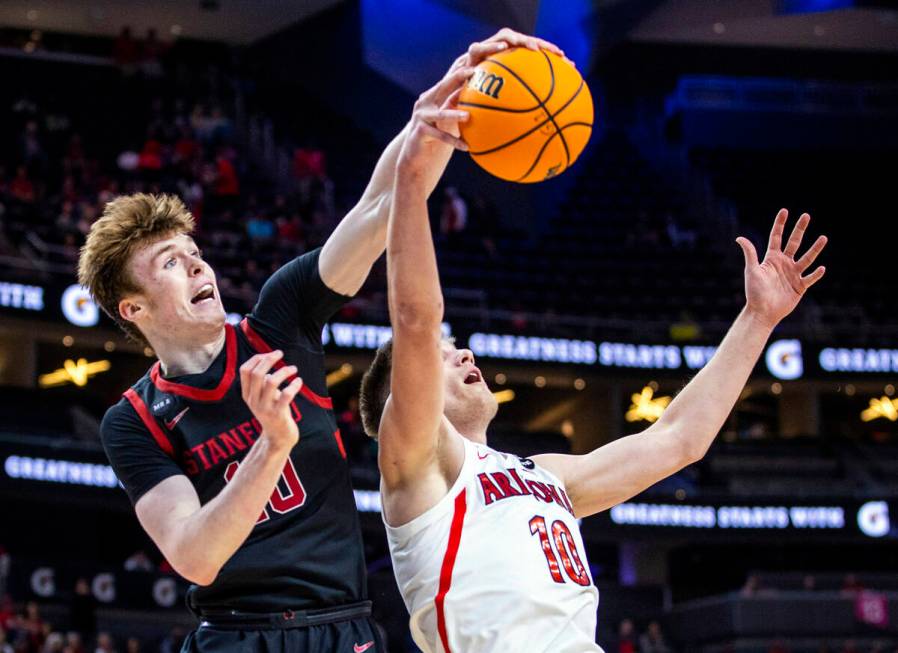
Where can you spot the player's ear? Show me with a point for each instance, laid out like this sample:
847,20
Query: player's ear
131,308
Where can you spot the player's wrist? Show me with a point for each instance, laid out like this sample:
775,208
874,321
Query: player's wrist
759,320
279,440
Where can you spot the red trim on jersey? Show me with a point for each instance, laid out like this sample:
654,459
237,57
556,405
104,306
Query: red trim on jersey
145,417
458,518
259,344
198,394
339,440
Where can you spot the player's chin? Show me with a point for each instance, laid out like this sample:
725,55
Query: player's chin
212,314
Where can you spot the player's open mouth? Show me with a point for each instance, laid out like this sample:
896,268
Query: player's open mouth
206,294
473,377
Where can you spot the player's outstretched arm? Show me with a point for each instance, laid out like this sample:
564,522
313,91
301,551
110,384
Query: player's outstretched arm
409,429
198,540
359,239
683,434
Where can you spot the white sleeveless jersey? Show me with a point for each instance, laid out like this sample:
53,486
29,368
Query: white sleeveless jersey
498,564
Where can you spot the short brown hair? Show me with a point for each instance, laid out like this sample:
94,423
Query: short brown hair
375,389
128,223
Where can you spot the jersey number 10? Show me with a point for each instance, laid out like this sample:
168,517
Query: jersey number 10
567,550
279,501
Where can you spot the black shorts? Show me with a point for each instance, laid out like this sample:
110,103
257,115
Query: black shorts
341,630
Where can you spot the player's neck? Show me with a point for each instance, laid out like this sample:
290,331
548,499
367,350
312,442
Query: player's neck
476,436
179,358
473,431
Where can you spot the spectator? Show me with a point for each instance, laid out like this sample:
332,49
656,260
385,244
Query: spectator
105,644
5,562
54,644
125,52
290,229
173,641
752,586
7,612
186,149
33,153
151,55
83,609
309,163
227,185
4,645
851,585
33,627
454,213
74,643
150,157
260,229
21,188
652,640
626,637
679,236
138,561
132,645
809,583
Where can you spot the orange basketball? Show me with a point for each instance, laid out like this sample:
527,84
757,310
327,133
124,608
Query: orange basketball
531,115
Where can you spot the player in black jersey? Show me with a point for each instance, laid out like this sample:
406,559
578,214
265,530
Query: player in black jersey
228,447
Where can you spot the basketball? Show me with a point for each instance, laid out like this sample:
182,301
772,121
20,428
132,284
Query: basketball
531,115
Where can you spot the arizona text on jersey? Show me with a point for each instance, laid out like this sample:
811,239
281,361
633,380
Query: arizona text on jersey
498,564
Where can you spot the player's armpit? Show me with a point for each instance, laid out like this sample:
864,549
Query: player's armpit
618,470
405,452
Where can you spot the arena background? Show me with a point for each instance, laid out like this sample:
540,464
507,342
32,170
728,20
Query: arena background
587,299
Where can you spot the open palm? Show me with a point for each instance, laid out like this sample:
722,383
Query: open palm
774,286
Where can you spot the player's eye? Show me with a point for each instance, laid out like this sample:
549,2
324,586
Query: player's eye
197,253
170,263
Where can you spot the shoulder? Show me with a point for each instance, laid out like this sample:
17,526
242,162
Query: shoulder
301,269
121,417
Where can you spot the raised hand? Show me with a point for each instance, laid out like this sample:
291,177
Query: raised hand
504,38
480,50
427,144
774,286
269,403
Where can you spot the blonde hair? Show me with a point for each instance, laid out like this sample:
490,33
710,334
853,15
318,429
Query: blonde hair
128,223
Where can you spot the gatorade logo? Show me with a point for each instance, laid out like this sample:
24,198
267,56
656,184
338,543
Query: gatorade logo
784,360
487,83
78,306
873,518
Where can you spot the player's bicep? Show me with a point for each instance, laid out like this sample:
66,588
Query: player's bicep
616,471
163,510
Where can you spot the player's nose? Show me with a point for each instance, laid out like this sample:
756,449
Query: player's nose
465,356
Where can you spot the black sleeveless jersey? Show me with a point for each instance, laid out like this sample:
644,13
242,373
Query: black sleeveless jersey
305,551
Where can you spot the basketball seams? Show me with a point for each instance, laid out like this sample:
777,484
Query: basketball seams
567,152
537,127
551,118
540,104
500,109
546,144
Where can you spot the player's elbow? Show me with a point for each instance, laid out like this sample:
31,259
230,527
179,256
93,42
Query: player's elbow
691,449
197,572
191,563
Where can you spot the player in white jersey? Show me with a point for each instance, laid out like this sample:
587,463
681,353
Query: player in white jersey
485,545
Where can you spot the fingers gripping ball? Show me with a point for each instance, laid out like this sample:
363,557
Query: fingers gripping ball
531,115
